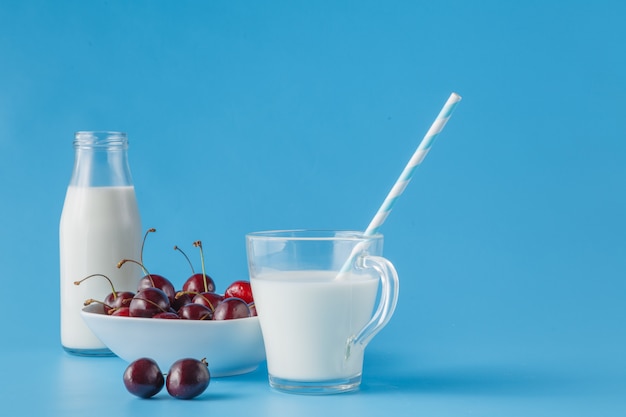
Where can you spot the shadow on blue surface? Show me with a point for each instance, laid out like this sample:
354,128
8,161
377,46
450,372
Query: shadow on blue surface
474,381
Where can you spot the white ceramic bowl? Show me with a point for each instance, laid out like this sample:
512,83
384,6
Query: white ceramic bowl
231,347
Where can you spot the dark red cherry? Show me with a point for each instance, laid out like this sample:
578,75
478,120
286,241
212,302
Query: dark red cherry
240,289
181,299
209,299
114,299
196,283
151,280
195,311
121,312
200,282
231,308
187,378
148,302
166,315
143,378
160,282
117,300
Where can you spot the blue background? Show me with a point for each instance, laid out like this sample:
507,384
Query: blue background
245,116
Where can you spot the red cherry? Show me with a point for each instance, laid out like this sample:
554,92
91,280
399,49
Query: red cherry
121,312
166,315
196,283
149,302
115,299
143,378
240,289
195,311
231,308
209,299
122,299
151,280
160,282
187,378
181,299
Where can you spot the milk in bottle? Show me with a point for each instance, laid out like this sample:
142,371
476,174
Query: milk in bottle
100,225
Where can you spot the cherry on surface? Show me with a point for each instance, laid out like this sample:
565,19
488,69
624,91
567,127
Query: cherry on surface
143,378
188,378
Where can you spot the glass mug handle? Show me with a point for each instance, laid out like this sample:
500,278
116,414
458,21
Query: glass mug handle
386,305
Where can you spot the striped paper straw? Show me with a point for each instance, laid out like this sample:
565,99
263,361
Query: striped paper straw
402,181
414,162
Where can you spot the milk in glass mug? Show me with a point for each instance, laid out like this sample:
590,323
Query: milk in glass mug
321,296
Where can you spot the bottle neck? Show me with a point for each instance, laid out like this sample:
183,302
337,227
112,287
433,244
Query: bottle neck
101,160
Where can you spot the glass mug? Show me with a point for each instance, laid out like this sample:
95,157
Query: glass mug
315,292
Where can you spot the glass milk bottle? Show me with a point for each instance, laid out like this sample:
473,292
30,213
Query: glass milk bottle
100,225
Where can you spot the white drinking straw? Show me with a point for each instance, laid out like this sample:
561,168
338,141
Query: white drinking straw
414,162
407,173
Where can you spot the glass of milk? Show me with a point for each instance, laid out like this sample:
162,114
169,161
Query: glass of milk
100,225
320,296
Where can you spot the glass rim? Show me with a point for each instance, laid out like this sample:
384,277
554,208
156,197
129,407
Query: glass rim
312,234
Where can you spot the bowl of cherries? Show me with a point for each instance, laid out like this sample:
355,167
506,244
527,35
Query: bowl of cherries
165,324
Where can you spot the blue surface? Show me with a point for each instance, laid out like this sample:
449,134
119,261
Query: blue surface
245,116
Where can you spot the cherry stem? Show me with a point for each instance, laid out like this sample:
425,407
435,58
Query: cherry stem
123,261
181,293
99,275
186,257
151,230
198,244
114,309
90,301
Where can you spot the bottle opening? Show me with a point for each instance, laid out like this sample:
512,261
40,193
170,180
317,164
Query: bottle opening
100,139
